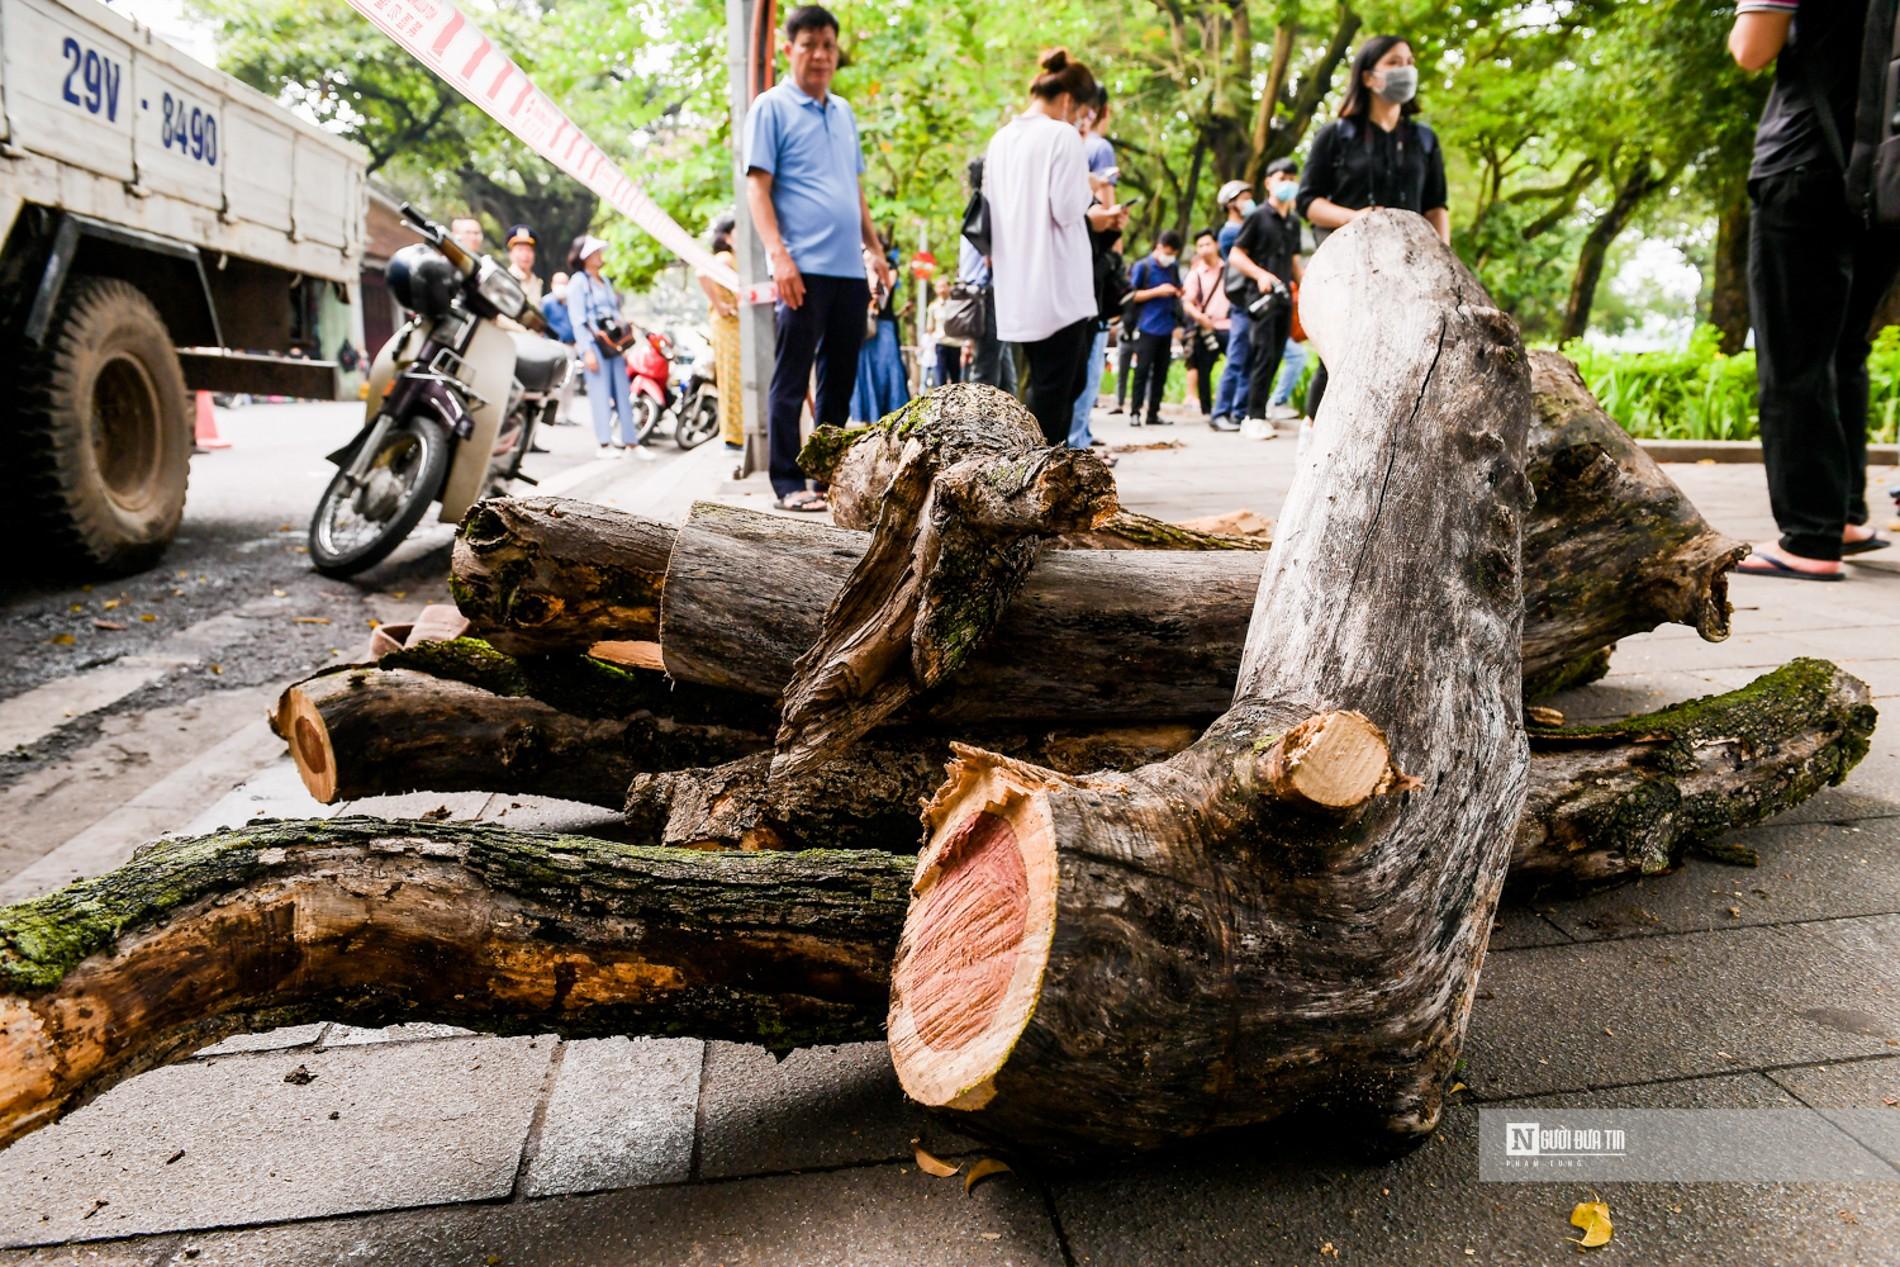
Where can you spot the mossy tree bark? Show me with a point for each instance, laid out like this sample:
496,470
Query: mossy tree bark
1276,917
376,922
1610,803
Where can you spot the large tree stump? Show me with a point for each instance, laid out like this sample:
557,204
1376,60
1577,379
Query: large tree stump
375,922
1275,917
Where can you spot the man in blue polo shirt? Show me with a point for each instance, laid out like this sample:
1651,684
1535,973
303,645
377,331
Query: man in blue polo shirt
802,166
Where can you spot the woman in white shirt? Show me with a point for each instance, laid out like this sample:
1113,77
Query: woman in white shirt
1036,182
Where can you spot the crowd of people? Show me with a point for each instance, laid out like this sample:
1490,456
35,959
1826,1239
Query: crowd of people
1042,290
1043,299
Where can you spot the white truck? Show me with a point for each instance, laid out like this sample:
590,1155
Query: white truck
166,229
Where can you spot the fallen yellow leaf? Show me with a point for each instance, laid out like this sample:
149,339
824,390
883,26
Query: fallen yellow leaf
984,1168
932,1165
1593,1219
147,617
62,640
110,603
310,620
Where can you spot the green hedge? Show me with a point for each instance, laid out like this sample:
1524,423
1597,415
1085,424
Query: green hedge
1700,394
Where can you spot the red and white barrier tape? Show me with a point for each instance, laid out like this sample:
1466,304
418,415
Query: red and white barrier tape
442,38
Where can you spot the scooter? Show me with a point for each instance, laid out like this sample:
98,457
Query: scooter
452,404
693,405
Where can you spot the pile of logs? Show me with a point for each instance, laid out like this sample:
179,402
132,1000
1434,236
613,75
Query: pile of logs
1224,826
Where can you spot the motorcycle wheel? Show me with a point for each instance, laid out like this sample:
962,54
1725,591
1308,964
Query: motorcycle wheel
356,528
699,425
646,416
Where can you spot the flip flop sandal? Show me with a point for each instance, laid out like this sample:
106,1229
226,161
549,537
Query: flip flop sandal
1769,565
803,502
1864,547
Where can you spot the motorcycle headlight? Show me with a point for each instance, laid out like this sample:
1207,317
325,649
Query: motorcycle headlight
499,288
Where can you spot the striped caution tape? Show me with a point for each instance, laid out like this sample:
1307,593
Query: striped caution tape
441,37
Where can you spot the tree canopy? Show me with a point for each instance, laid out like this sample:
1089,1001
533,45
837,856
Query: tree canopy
1566,123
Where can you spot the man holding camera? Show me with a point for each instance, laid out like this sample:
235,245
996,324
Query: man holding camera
1266,257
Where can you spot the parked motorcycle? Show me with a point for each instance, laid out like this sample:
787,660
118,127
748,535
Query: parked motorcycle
453,402
692,405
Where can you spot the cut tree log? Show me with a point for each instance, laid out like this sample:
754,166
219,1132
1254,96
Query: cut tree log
1123,960
1610,803
1616,547
1097,637
376,922
972,493
546,574
738,611
590,933
1605,803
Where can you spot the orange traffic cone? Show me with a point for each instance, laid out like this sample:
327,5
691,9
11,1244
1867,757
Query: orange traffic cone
204,432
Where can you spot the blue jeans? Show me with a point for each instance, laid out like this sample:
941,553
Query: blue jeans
1292,363
609,394
1231,397
1079,436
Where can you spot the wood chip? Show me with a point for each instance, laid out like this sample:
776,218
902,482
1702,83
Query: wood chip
932,1165
984,1168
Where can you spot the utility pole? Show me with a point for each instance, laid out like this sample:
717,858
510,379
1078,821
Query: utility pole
749,36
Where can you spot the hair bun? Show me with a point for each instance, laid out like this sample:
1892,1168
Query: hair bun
1055,60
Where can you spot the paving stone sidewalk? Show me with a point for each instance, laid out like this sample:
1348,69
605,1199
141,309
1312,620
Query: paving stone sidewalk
1714,987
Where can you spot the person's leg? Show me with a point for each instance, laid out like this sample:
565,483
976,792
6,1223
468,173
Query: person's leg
1233,379
622,388
1292,363
1157,354
1200,371
794,343
949,363
1875,262
1124,362
1137,353
1080,437
1266,362
1054,374
1800,266
1316,390
840,339
600,401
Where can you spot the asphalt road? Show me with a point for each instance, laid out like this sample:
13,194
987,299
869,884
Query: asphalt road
106,687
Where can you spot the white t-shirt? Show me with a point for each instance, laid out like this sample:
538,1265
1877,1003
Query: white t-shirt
1036,182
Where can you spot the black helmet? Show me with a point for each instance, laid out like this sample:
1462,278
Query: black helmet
422,280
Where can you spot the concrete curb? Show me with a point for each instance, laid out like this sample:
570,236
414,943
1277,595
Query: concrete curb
1742,451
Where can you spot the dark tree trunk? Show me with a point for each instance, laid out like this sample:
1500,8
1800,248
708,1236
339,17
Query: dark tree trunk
1637,184
1728,302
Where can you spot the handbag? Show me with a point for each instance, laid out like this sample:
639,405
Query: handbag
614,338
976,221
962,312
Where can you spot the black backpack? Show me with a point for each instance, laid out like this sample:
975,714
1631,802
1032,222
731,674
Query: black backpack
1872,163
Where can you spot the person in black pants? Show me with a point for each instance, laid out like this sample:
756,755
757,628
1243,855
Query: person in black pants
1816,272
1375,154
1156,294
1267,253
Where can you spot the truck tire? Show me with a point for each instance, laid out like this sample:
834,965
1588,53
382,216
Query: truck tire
103,433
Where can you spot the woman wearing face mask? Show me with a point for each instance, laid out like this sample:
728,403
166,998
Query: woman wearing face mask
1375,154
1036,182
